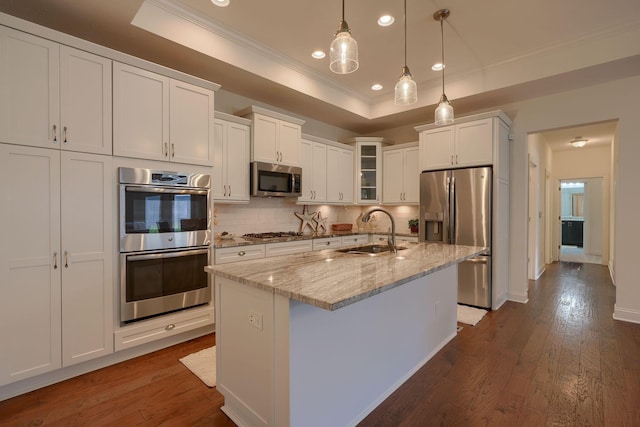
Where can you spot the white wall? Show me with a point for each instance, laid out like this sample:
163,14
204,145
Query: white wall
609,101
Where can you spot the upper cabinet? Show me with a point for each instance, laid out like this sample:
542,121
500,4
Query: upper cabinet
368,170
53,96
313,160
231,158
339,174
469,142
159,118
401,174
275,137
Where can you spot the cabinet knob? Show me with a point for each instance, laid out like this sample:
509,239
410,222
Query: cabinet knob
327,243
170,327
242,253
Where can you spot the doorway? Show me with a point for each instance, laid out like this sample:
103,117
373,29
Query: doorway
581,220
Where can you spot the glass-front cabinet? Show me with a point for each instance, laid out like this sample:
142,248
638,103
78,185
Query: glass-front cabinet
368,170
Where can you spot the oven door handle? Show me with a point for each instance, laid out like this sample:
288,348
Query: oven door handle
137,189
143,257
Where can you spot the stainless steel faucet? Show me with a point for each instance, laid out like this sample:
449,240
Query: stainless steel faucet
391,239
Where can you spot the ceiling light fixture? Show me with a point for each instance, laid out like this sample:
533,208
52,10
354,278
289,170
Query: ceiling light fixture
406,88
444,112
376,86
438,66
579,142
343,53
386,20
221,3
318,54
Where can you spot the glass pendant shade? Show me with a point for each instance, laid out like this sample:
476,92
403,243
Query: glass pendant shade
406,91
444,112
343,53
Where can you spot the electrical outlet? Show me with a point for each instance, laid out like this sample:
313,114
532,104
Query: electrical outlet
255,320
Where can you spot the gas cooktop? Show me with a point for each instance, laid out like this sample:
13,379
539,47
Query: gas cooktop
271,235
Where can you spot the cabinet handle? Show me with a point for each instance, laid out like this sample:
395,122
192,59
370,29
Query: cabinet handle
452,159
55,260
242,253
170,327
224,194
173,150
229,191
456,159
64,133
166,149
327,243
55,133
66,259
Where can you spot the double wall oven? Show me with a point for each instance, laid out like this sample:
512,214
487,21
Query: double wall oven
165,239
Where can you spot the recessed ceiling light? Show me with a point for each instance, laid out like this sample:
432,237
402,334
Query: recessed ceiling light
318,54
221,3
376,86
437,66
386,20
579,142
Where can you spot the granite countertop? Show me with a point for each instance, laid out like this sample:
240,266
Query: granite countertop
329,279
240,241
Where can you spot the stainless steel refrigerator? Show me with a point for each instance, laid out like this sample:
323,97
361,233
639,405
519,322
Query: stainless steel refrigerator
455,208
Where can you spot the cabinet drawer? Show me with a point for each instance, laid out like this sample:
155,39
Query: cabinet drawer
288,248
155,329
239,253
326,243
357,239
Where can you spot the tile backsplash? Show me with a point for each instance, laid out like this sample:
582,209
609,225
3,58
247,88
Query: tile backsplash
277,214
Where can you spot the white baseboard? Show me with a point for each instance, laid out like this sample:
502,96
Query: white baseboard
626,314
517,297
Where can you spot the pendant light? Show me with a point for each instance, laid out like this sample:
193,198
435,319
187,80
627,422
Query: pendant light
344,50
406,92
444,112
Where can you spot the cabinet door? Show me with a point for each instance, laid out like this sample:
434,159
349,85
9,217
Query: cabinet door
308,178
474,143
335,173
411,170
369,173
30,262
437,148
265,139
289,135
392,177
191,124
86,263
346,176
85,102
29,90
237,158
218,175
140,113
318,172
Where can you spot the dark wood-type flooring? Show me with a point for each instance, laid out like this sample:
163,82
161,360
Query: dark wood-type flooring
561,359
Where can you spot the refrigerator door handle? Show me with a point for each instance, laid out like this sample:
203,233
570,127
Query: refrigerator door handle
452,210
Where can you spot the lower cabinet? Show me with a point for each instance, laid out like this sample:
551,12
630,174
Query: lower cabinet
56,303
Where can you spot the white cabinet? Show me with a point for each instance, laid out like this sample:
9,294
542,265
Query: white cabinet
158,118
239,253
465,144
401,175
327,243
288,248
368,170
231,158
339,175
355,239
55,260
313,160
275,137
53,96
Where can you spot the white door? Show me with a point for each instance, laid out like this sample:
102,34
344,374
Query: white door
289,136
306,162
86,263
265,138
411,175
345,176
29,90
30,262
218,175
191,124
437,148
335,174
85,102
318,172
392,176
474,143
140,113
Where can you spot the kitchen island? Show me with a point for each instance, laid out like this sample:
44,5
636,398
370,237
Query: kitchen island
322,338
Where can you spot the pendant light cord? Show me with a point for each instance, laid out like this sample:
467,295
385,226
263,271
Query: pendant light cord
405,33
342,10
442,49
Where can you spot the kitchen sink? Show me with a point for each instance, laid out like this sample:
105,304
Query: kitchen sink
369,249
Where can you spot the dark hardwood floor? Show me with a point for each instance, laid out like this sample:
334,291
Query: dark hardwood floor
561,359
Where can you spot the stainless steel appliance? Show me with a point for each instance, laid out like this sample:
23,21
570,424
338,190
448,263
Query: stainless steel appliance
455,208
273,180
164,242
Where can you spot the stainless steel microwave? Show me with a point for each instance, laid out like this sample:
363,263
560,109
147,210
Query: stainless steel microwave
273,180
